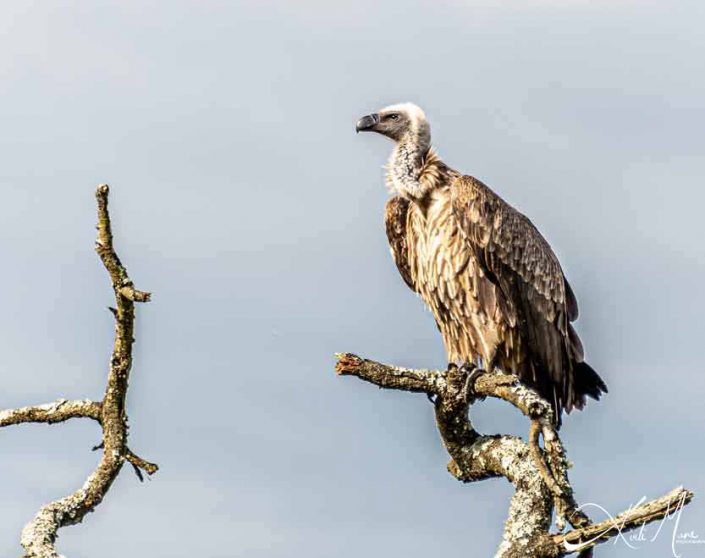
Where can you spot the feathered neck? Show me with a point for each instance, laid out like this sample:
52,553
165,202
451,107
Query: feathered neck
414,169
405,164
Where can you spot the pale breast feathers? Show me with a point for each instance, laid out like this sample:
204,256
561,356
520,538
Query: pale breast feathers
435,260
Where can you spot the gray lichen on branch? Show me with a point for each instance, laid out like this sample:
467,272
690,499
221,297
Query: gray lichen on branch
39,535
539,474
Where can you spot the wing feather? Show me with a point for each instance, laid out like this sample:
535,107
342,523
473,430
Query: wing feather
395,212
505,240
538,299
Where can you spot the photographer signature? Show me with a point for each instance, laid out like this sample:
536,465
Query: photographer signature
634,539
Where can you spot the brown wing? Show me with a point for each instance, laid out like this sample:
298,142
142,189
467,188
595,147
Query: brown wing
538,300
395,222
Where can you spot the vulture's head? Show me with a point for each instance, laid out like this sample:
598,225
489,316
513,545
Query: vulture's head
397,122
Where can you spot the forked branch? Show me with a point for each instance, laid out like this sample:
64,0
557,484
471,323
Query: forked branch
539,475
39,535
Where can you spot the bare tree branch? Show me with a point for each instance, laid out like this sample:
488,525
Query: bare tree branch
390,377
539,475
39,535
508,388
58,411
629,520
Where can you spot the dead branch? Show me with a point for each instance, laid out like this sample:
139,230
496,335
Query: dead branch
39,535
539,475
591,535
59,411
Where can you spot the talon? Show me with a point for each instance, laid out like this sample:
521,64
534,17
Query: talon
473,373
432,398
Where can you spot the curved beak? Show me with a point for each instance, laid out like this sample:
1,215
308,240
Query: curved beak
367,123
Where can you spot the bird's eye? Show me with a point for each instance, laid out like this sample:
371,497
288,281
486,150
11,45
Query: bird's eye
394,117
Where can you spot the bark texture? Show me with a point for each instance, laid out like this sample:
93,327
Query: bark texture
39,535
539,474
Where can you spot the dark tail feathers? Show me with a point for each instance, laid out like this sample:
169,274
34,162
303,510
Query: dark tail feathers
585,382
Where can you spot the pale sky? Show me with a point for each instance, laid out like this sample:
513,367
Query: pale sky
243,199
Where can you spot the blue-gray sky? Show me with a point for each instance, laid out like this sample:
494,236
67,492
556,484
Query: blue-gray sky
242,197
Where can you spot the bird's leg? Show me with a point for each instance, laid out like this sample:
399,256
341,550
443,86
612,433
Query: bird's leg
473,373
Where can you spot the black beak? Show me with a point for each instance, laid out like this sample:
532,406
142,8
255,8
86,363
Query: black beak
367,123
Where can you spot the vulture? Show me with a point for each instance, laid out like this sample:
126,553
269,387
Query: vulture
495,287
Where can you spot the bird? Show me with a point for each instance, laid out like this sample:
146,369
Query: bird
492,282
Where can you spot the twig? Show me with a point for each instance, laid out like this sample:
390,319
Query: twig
139,463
